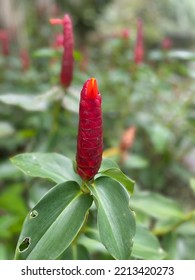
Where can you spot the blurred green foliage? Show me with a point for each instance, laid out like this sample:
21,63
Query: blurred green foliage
155,97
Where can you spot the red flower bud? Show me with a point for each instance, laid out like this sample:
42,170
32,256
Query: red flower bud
68,44
139,48
25,60
89,140
125,34
166,43
4,40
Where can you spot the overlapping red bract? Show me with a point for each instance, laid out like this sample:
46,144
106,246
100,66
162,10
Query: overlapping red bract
68,44
139,48
67,60
89,140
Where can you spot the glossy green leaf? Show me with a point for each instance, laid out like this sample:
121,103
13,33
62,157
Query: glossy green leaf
146,246
157,206
116,221
53,223
118,175
54,166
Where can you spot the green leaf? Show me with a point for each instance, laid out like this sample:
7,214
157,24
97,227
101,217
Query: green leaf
160,137
94,246
45,52
7,171
71,100
107,164
31,102
6,223
28,102
163,227
146,246
185,248
181,54
134,161
53,223
116,221
47,165
157,206
174,54
6,129
3,253
77,55
75,252
187,228
169,242
118,175
192,184
11,200
111,169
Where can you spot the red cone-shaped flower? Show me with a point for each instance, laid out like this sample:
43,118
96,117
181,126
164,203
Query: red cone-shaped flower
139,48
68,44
89,140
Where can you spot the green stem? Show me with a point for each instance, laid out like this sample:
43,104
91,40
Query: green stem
85,188
188,217
53,135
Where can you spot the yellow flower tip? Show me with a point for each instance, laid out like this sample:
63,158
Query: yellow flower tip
92,88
